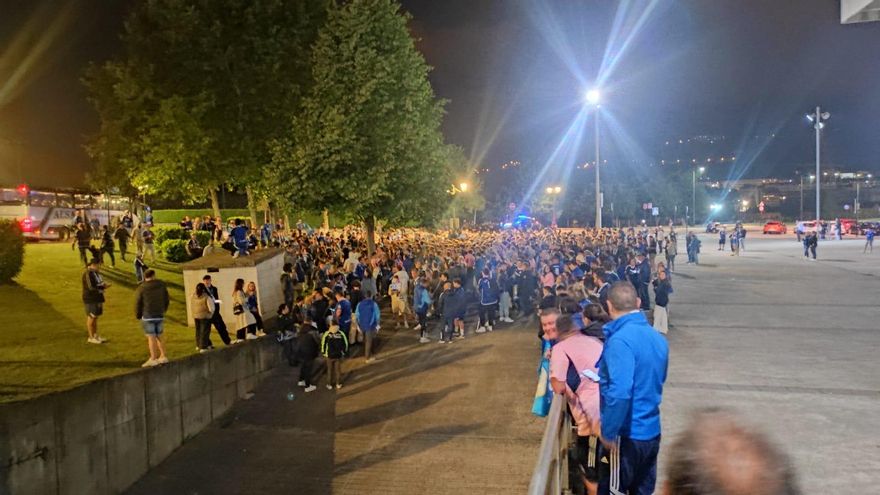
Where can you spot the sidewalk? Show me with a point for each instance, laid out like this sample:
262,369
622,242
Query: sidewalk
423,418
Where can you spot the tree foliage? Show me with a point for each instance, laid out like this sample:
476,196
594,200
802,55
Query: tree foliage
11,250
368,140
203,88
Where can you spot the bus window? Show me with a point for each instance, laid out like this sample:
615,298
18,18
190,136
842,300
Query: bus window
64,200
38,198
11,197
82,201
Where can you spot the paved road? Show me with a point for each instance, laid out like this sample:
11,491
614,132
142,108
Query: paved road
424,418
792,345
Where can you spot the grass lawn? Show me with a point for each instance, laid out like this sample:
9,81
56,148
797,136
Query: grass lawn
43,346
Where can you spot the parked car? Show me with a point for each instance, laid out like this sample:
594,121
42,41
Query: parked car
860,228
774,227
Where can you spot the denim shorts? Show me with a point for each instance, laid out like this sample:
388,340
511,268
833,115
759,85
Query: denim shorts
94,310
153,327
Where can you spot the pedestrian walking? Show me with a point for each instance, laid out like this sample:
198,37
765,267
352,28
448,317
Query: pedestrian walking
368,320
245,323
421,304
306,352
93,287
253,307
83,241
488,291
107,246
148,238
202,306
671,247
869,240
139,267
722,239
216,318
662,289
334,346
630,395
122,236
151,303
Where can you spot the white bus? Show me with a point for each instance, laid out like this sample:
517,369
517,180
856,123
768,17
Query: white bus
49,214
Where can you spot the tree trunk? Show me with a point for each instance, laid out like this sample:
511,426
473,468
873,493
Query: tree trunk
251,208
370,224
215,202
325,216
286,221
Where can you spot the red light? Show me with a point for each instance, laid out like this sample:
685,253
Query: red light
26,225
22,189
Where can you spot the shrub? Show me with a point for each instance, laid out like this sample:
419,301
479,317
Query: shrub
204,237
11,250
174,250
166,233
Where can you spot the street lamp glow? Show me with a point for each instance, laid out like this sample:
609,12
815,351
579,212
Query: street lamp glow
463,186
549,190
745,203
557,189
715,207
702,169
593,97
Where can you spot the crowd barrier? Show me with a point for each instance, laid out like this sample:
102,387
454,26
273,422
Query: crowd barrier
550,476
101,437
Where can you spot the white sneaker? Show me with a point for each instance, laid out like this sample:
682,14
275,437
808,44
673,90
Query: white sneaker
329,387
236,341
92,340
338,386
251,336
418,327
202,351
424,340
508,320
311,388
149,363
261,333
235,254
489,328
405,325
162,360
481,330
102,339
301,383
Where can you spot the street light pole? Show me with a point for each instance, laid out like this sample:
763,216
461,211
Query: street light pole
598,189
818,120
801,217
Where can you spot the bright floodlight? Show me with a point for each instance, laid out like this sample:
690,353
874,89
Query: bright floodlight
702,169
716,206
557,189
549,190
593,97
463,186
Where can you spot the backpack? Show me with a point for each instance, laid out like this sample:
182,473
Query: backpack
335,345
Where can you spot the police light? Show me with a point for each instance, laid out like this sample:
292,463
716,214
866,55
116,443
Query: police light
22,189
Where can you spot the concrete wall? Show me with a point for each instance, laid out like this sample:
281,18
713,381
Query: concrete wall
266,274
101,437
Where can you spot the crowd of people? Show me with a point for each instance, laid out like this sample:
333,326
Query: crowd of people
601,296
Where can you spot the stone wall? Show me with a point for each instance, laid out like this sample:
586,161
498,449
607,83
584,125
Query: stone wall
101,437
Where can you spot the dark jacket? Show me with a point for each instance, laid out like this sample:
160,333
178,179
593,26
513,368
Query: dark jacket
151,299
594,329
92,287
306,345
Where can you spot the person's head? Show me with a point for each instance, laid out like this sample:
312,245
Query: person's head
94,264
201,290
718,454
661,274
150,274
317,294
239,285
456,283
594,312
334,328
283,309
238,222
565,324
287,268
447,285
338,294
548,323
299,299
622,299
251,287
206,280
368,294
485,273
192,236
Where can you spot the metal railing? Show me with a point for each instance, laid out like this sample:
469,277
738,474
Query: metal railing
550,476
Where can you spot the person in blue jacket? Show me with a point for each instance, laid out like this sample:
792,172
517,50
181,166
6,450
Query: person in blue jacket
488,289
367,315
421,304
632,371
644,281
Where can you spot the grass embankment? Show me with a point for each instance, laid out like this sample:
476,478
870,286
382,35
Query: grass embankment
43,344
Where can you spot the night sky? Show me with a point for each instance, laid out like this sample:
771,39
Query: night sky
514,73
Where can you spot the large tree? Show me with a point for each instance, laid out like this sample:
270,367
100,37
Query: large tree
203,87
368,140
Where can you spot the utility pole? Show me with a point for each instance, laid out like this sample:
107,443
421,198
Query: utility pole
598,194
818,120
